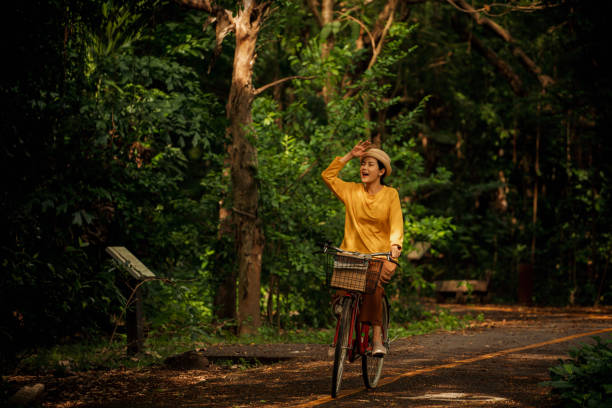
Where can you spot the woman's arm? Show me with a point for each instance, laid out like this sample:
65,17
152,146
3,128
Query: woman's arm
396,222
330,174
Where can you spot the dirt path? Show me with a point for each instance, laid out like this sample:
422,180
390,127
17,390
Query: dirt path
498,363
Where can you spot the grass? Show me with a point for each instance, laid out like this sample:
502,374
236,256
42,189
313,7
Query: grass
92,355
441,319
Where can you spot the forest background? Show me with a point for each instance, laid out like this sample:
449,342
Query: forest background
118,129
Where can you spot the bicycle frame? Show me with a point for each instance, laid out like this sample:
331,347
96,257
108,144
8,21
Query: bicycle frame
352,337
356,347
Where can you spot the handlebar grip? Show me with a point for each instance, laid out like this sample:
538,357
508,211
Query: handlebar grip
393,260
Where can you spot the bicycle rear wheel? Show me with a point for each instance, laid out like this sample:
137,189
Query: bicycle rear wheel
342,345
371,367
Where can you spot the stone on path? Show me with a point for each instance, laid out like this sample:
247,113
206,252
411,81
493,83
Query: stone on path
27,394
190,360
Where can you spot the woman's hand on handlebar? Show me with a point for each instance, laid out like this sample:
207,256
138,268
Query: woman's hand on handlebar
396,251
388,269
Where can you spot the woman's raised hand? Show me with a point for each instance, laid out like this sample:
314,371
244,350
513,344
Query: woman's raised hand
360,148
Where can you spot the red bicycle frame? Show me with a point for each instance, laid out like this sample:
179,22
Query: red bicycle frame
360,347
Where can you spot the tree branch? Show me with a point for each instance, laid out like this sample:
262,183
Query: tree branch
544,80
383,34
486,9
502,66
372,42
383,18
377,35
259,12
223,18
280,81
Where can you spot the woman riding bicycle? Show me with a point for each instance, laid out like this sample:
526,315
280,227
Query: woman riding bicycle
373,221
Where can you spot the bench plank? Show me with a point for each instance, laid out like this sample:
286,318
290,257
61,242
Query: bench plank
419,250
461,285
132,264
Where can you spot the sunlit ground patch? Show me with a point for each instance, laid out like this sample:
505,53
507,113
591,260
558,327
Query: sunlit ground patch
525,356
457,397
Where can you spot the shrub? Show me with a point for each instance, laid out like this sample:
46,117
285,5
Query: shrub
585,380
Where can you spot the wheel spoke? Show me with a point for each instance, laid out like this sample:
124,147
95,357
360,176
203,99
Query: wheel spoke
371,366
341,346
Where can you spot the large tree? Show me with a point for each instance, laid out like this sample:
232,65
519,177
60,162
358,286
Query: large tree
245,23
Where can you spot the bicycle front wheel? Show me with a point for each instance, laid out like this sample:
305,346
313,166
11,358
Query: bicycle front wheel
371,367
341,345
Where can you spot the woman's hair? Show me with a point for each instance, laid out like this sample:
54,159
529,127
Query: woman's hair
381,166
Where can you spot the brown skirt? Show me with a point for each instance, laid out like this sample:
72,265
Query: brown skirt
371,308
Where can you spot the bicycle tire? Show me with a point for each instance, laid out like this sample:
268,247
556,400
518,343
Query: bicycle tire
371,367
341,345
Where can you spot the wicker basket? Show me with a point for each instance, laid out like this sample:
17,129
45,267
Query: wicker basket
354,273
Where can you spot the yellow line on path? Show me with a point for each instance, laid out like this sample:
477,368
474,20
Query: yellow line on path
389,380
533,311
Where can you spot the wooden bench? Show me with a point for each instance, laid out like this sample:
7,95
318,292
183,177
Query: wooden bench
461,290
418,250
134,318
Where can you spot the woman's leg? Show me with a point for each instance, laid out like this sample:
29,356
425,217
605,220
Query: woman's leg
371,313
377,334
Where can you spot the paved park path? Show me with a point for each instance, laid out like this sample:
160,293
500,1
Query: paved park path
496,363
499,364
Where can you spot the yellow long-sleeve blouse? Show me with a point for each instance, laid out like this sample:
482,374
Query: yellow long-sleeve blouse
373,222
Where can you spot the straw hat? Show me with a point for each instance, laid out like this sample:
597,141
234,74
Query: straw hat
380,156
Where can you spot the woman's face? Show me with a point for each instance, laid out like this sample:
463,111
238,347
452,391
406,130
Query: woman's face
369,170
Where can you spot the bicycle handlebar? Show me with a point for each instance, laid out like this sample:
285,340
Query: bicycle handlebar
327,247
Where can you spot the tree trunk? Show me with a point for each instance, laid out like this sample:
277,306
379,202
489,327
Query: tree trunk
224,301
243,156
270,300
327,17
249,234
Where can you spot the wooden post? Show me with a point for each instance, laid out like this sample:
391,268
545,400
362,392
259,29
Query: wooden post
525,283
134,321
134,317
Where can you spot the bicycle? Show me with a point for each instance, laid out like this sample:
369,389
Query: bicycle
355,273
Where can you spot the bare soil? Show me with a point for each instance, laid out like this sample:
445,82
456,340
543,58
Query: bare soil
444,369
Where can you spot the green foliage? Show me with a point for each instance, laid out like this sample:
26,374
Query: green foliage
584,380
114,133
432,321
296,143
120,145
